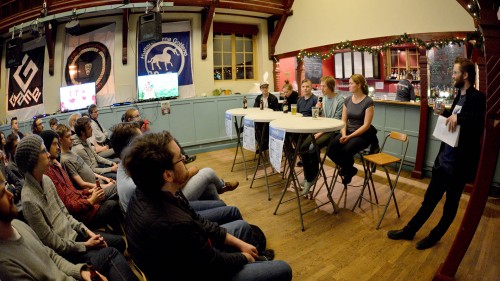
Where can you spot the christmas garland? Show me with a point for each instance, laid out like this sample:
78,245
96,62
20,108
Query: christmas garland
475,37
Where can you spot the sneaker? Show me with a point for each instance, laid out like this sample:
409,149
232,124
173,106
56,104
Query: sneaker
307,187
349,174
229,186
426,243
404,234
190,159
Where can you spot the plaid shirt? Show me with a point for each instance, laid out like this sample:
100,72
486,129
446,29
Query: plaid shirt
75,200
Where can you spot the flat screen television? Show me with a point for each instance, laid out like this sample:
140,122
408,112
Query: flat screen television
158,86
77,96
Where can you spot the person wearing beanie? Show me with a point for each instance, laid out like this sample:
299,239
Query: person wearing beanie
52,223
89,205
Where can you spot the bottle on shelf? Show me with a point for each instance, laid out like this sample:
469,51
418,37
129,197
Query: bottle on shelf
285,106
93,274
245,102
261,103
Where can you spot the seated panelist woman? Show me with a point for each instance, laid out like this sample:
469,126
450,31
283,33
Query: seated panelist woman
357,134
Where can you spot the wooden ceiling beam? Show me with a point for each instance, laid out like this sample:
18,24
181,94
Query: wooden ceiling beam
274,30
125,35
50,37
207,16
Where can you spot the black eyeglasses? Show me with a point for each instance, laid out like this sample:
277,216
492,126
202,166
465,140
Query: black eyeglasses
183,160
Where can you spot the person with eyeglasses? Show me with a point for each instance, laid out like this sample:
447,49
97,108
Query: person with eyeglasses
133,115
37,125
213,210
160,220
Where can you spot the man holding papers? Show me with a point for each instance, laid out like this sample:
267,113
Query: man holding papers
454,166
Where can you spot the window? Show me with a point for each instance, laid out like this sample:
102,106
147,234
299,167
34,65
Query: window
234,51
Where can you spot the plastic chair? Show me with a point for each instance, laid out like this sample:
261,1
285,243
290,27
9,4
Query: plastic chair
383,159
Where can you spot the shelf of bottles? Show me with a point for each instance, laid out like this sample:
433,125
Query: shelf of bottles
444,93
400,62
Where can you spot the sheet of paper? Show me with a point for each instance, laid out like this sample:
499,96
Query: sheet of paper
441,132
249,135
229,126
276,140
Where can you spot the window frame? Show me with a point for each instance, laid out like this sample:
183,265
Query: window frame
236,32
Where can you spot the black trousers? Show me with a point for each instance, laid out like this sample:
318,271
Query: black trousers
441,183
343,153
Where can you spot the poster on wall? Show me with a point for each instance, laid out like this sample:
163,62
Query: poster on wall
172,54
89,58
314,69
25,82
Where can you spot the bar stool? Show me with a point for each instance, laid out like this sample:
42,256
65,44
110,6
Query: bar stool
366,180
383,159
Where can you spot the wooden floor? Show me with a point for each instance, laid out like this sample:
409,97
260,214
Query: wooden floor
346,245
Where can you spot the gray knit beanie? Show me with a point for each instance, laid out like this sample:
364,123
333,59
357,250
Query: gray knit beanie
27,153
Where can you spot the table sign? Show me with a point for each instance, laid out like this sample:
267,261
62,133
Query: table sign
276,141
249,135
229,126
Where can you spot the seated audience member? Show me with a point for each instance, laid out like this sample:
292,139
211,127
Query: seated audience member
14,125
51,221
133,115
71,122
101,150
307,100
357,134
81,147
37,126
160,220
101,135
80,173
53,122
22,254
89,206
3,141
332,108
214,210
287,92
10,151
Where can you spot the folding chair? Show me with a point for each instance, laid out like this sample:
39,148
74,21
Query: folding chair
383,159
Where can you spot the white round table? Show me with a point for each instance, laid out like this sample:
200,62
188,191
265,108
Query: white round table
266,117
305,126
238,124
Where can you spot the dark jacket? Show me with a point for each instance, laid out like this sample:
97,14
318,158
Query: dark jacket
471,120
169,241
272,102
406,91
293,98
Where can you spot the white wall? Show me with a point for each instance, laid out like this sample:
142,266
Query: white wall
322,22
